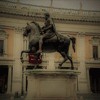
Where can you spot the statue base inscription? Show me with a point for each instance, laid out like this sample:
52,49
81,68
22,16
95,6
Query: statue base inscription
52,85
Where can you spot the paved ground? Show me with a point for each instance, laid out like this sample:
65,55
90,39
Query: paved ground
89,97
10,97
5,97
80,97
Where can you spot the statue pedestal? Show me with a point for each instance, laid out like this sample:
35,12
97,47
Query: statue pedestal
51,85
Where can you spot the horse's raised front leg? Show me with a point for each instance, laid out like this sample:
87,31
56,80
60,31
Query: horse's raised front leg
21,56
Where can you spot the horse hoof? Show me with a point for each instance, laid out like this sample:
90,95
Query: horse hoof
21,58
39,51
22,61
59,67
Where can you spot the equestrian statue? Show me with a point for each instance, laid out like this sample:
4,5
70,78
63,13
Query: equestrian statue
46,39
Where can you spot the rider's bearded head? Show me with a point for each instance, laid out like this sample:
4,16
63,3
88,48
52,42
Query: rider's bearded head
47,15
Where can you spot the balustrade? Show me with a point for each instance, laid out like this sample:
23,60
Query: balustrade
33,10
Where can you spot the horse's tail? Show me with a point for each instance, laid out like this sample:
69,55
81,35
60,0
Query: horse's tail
73,39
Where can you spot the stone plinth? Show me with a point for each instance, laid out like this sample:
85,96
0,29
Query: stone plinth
51,85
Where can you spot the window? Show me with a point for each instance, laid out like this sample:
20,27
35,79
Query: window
3,43
95,52
1,47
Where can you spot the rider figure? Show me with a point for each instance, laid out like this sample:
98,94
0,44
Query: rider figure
48,30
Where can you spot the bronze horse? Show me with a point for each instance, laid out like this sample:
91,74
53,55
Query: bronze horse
55,43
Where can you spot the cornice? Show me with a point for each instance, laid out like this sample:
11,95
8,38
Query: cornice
69,73
24,11
17,28
78,33
6,61
92,64
6,27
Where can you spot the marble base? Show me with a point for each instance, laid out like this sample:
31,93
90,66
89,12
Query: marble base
52,85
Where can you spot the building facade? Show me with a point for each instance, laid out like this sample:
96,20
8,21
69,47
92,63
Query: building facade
84,25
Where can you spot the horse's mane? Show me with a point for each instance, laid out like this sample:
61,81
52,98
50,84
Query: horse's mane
37,25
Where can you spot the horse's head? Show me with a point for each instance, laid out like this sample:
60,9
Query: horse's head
32,27
27,30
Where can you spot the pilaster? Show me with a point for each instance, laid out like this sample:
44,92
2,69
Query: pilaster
17,68
88,79
9,87
82,79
